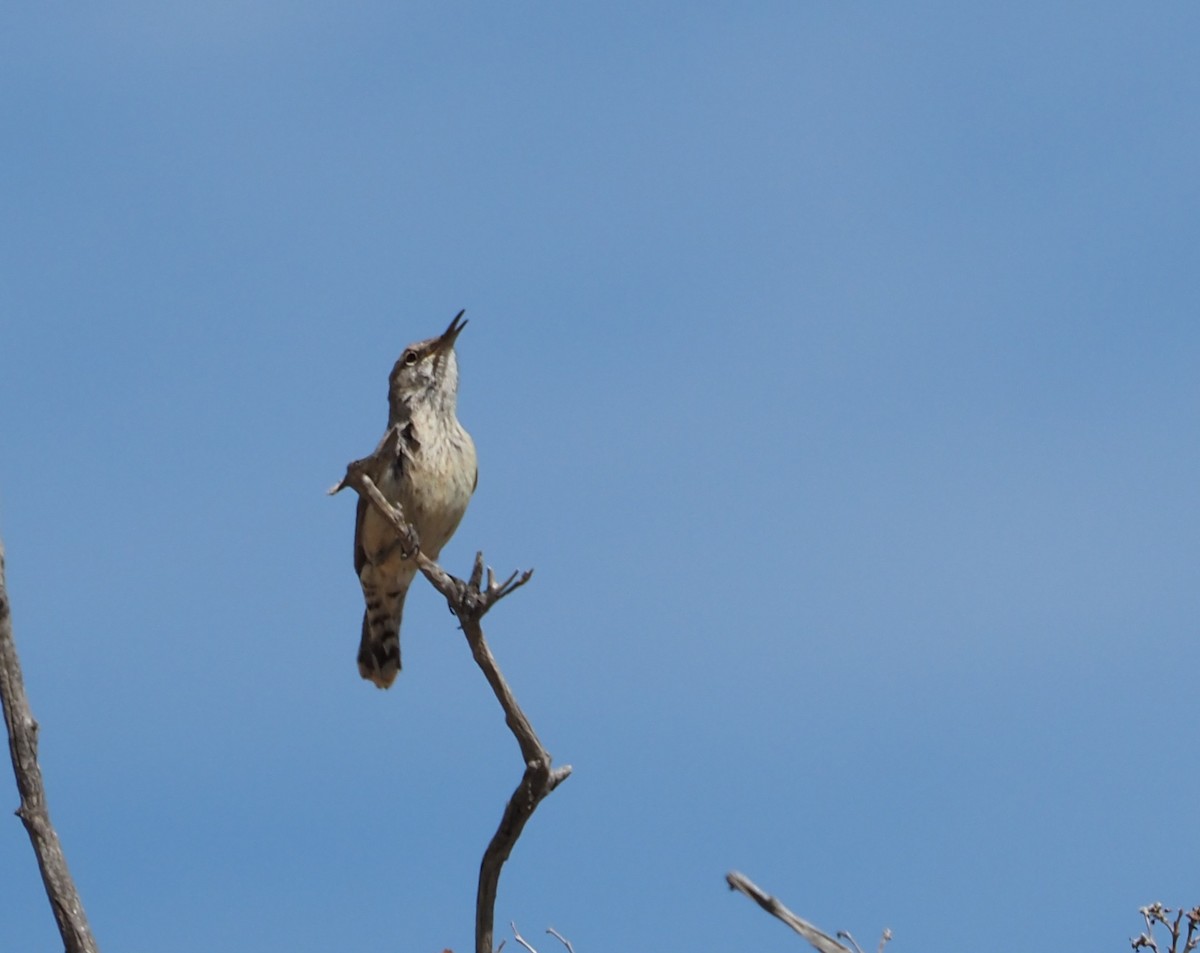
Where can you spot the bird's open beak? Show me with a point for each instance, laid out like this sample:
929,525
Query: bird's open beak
450,335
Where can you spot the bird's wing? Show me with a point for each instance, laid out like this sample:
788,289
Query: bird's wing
395,443
360,555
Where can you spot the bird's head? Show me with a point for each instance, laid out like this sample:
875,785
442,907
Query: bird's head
426,373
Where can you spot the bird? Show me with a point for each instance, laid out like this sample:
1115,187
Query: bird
431,475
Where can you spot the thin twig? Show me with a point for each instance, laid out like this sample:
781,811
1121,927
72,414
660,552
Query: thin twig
1193,938
561,939
1151,914
520,939
470,601
33,812
821,941
845,935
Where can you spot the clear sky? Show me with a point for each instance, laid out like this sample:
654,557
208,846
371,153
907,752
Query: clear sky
835,365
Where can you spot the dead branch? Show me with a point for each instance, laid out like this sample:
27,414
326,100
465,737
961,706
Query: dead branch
561,939
470,601
1157,915
883,940
820,941
520,939
33,812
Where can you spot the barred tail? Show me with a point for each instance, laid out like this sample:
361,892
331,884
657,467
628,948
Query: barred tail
379,649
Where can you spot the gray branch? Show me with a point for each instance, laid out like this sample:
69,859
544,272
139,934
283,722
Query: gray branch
22,745
821,941
470,601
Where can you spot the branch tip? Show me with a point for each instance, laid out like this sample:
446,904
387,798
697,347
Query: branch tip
561,939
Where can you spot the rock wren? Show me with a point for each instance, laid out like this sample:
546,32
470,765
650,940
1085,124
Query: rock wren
432,477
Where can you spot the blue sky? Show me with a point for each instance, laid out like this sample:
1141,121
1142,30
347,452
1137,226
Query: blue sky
834,365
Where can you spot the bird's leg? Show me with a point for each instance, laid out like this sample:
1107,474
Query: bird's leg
408,542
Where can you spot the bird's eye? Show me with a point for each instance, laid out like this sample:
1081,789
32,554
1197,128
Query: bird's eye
409,358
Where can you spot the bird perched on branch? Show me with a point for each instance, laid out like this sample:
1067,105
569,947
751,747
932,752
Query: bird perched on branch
431,476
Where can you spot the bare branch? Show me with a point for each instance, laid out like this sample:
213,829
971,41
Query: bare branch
1156,915
1193,938
520,939
470,601
820,941
883,940
370,465
33,812
561,939
845,935
536,783
361,476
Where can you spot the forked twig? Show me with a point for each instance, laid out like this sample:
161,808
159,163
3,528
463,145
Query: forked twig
520,939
